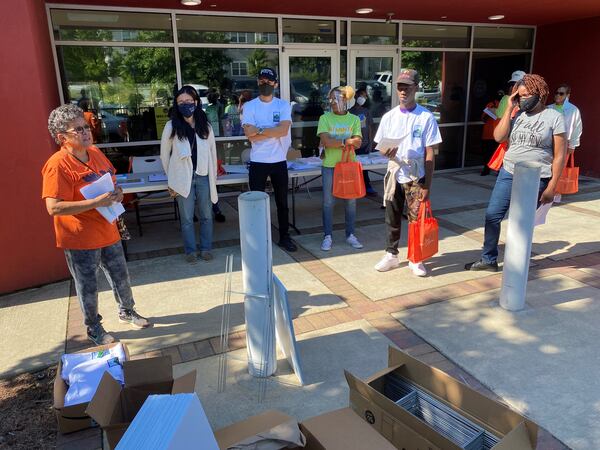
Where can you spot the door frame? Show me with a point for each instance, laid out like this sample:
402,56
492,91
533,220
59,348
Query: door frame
284,63
369,53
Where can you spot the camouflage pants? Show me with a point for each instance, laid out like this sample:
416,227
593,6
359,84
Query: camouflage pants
405,193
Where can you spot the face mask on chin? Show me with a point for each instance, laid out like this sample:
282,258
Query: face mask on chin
361,101
528,104
187,109
265,89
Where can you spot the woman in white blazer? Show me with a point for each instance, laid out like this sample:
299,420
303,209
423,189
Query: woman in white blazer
189,156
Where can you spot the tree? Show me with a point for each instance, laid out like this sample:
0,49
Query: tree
205,65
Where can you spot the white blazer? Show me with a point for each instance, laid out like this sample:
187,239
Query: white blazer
176,157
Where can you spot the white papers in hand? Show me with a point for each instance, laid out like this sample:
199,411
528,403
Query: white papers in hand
541,213
388,143
101,186
490,113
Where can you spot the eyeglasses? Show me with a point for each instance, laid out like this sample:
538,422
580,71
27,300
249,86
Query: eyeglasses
79,130
403,87
560,93
266,81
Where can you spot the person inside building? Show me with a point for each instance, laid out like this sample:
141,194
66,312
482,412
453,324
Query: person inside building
267,121
366,128
488,143
338,129
573,125
188,152
535,134
410,169
89,241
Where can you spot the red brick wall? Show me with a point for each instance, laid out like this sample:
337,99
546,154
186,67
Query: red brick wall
568,52
28,92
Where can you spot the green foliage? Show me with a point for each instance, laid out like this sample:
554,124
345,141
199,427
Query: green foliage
428,64
205,65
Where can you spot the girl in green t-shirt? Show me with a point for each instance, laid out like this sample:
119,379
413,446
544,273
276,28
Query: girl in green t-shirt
337,129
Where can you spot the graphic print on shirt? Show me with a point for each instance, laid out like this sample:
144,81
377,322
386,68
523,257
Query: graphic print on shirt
417,131
276,117
340,132
527,133
93,176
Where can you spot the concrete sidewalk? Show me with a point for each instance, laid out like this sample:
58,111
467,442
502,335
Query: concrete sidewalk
339,290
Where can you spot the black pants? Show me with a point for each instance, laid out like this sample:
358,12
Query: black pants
257,176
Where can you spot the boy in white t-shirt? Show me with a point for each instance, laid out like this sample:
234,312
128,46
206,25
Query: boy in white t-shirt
267,121
411,165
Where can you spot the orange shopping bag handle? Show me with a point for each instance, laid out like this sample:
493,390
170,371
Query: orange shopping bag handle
571,160
346,151
424,212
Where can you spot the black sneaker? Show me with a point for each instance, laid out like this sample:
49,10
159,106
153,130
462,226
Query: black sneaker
99,336
287,243
132,317
480,265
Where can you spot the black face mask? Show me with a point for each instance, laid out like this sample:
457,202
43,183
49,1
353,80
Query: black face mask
265,89
527,104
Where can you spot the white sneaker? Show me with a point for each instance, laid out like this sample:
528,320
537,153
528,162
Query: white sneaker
388,262
326,244
353,241
418,269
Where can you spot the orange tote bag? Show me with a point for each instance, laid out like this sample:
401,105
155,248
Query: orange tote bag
495,162
348,182
423,235
568,183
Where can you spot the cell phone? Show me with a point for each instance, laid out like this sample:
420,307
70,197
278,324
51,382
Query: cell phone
517,98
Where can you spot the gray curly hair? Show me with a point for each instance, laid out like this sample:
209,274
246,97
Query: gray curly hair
60,119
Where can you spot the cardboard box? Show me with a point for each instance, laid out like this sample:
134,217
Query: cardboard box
336,430
408,432
114,406
252,426
73,418
342,430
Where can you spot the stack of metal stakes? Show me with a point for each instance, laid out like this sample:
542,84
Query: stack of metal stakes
443,419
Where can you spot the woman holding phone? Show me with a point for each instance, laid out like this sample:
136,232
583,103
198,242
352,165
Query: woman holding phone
535,134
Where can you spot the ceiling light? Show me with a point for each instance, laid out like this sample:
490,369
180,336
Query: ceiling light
213,6
496,17
444,17
191,2
324,24
364,10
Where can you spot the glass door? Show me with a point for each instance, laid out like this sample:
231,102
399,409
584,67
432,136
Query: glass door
310,76
375,71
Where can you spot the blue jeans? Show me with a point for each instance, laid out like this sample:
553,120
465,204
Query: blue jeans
496,210
199,196
84,265
329,202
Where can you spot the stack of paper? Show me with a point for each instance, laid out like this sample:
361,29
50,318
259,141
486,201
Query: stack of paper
101,186
169,422
83,372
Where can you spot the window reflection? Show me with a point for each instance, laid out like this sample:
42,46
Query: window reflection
443,85
119,88
111,26
225,79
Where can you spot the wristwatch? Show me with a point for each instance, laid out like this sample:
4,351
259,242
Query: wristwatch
260,131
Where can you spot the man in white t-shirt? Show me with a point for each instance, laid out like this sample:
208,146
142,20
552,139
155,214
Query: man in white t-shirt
410,169
267,121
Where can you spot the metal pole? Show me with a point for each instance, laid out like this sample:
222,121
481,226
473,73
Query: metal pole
257,275
519,234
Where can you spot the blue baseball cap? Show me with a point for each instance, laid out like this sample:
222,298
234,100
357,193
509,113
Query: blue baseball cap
268,73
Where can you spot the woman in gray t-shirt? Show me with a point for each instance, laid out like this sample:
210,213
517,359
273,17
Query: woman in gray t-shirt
534,133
